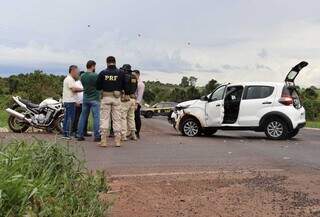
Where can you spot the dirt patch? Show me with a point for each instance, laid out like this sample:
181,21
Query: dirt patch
217,195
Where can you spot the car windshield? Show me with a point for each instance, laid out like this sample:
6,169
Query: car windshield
218,94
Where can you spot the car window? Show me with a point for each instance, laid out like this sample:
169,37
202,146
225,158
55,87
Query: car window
218,94
160,105
234,93
258,92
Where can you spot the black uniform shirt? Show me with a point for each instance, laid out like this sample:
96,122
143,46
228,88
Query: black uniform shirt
130,83
110,79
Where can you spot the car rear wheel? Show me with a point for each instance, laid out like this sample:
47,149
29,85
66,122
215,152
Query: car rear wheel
191,127
148,114
276,129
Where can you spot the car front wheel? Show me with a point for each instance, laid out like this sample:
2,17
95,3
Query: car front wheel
276,129
191,127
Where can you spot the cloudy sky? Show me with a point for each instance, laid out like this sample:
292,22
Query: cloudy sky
229,40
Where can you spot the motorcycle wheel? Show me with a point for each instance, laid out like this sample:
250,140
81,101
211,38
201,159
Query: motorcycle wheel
59,124
15,124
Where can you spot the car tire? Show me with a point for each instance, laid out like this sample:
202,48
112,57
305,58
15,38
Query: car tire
276,129
209,131
149,114
191,127
293,133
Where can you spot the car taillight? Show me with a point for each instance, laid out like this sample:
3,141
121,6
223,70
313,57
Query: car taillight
286,100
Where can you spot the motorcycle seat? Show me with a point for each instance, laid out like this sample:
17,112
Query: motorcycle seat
29,104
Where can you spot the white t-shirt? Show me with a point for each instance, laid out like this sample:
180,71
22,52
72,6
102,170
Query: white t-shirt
79,96
140,91
67,94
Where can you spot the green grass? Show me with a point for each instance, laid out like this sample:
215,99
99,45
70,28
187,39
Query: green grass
46,179
313,124
3,118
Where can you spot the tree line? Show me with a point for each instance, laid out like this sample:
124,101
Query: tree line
37,86
187,90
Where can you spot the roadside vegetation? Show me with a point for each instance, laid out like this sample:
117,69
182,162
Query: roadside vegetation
313,124
3,118
38,85
46,179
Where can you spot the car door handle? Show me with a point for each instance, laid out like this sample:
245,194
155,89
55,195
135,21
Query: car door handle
267,103
218,105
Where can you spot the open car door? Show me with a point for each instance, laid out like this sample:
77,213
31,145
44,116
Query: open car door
291,76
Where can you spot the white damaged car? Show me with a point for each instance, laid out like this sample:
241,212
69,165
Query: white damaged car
270,107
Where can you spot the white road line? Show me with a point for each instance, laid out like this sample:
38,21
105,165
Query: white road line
194,173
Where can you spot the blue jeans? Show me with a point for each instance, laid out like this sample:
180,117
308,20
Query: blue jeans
69,115
94,106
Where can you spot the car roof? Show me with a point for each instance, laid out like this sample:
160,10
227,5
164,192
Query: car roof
167,102
259,83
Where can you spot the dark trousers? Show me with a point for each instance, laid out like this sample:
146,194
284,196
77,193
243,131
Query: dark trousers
137,118
77,118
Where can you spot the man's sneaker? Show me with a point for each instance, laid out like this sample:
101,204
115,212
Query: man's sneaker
97,139
81,139
66,137
87,134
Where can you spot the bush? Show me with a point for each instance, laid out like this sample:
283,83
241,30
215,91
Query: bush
46,179
312,108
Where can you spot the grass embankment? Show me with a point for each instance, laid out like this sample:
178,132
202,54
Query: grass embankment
44,179
3,119
313,124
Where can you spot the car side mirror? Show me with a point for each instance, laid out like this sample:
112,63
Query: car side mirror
204,98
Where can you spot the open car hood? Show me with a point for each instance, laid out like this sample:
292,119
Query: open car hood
187,103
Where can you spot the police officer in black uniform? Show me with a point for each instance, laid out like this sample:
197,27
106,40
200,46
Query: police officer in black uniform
128,104
111,82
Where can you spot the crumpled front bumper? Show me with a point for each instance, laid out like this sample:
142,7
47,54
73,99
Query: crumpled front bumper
175,119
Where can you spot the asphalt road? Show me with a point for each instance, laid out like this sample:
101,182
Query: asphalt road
162,149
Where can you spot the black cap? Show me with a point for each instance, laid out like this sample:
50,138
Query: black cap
127,67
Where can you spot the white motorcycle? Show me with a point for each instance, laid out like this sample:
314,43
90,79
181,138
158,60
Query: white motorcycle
48,115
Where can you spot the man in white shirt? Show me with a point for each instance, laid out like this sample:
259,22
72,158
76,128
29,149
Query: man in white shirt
79,101
139,96
69,99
